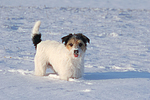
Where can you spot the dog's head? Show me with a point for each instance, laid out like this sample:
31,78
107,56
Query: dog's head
76,43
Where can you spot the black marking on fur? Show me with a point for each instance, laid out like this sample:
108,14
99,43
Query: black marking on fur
66,38
82,37
36,39
77,36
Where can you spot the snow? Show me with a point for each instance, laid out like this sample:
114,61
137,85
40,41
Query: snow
117,61
125,4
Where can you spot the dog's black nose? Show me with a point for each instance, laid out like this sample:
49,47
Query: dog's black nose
76,51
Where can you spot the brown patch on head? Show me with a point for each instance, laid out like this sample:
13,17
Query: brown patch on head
75,43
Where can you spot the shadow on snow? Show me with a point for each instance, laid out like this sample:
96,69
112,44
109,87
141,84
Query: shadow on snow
115,75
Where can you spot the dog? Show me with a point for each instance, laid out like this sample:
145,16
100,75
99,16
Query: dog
66,59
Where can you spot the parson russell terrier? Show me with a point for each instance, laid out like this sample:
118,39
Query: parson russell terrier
66,60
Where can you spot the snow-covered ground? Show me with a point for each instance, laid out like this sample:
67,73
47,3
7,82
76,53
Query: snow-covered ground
117,61
126,4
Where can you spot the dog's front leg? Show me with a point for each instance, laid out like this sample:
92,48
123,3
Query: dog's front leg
64,78
64,75
64,71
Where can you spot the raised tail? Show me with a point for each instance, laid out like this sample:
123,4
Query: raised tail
36,35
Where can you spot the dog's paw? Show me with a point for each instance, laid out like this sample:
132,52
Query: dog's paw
64,78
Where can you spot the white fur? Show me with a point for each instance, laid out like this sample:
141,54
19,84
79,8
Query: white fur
36,27
62,60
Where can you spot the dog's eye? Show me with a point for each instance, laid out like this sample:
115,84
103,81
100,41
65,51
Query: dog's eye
80,44
71,44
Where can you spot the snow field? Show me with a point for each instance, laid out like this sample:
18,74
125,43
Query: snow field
116,63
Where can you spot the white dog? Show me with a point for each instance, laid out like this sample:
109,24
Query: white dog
66,60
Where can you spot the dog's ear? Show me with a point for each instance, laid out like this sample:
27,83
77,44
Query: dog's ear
84,38
66,38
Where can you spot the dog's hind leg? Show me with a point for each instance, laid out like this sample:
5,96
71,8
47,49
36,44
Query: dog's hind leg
40,67
39,71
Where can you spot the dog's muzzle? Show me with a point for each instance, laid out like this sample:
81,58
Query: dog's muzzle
76,53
